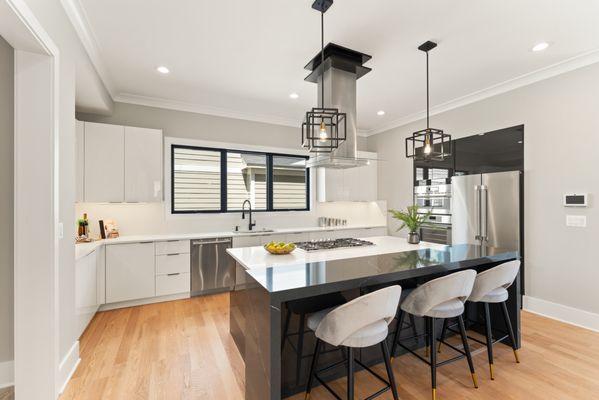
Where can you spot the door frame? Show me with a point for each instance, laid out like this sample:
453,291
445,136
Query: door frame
36,127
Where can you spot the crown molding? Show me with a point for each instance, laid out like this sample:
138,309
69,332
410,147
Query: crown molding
204,109
541,74
80,22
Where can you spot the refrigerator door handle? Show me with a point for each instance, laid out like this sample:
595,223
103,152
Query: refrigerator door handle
477,236
484,198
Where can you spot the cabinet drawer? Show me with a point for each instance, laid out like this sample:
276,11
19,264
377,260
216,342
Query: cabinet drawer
172,284
172,263
172,247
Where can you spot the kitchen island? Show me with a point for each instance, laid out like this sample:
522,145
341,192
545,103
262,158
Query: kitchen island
265,286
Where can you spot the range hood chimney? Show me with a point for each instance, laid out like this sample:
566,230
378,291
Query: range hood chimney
339,74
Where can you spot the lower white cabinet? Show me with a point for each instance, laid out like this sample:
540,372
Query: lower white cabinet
173,283
86,290
130,271
173,265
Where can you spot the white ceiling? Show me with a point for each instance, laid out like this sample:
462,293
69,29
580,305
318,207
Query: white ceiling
243,58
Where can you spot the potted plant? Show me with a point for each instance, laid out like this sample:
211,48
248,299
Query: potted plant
412,220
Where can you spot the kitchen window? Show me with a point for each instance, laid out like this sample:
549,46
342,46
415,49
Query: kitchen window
207,180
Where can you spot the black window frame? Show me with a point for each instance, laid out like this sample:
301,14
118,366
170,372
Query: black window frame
223,179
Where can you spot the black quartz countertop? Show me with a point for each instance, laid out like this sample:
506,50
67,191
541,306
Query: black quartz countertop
288,282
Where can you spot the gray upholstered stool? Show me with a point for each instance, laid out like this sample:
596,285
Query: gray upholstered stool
490,287
440,298
362,322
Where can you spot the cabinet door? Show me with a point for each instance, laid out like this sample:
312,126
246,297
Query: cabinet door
104,163
101,262
79,161
143,165
130,272
86,298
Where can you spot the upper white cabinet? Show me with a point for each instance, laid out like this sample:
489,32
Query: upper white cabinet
352,184
104,163
143,165
79,160
119,163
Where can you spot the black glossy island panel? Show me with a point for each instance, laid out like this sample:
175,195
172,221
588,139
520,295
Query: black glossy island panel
259,304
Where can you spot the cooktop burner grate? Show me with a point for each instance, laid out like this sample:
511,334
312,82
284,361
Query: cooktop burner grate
328,244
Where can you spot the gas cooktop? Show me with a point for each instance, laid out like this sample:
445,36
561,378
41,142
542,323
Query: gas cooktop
328,244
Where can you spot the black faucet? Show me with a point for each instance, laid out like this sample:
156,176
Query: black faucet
251,224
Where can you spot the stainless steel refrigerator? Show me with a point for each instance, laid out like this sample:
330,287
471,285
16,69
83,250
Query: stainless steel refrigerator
486,209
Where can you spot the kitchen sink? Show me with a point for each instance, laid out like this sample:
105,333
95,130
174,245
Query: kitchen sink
245,231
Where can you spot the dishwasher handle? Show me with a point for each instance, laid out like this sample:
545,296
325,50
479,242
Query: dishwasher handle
200,242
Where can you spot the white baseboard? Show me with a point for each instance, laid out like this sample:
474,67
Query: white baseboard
569,315
7,374
141,302
67,367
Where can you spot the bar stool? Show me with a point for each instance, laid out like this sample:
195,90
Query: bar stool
490,287
303,308
440,298
362,322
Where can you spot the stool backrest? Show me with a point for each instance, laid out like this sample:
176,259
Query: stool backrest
501,276
427,296
349,318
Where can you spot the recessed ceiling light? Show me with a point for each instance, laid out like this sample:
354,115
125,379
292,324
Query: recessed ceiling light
163,70
520,142
540,46
380,113
293,95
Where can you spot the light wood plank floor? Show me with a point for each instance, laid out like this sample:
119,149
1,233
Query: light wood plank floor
182,350
7,393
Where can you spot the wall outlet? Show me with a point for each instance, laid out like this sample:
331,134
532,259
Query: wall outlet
579,221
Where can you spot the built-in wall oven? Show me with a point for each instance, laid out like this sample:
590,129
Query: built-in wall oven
436,200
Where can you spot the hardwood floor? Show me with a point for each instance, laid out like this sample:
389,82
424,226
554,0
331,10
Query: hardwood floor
182,350
7,393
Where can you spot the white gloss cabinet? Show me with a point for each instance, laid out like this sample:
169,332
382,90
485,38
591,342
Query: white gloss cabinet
79,161
86,290
143,164
118,164
130,272
104,163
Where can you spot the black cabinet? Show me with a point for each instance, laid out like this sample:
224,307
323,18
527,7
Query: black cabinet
496,151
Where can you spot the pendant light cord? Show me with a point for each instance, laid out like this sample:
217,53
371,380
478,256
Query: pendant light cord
322,58
427,96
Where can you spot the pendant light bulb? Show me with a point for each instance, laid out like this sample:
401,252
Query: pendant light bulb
323,135
427,145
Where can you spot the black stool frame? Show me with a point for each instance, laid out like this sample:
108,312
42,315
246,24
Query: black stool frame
490,341
430,343
350,360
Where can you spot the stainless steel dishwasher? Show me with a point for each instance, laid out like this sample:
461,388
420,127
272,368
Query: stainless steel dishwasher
212,269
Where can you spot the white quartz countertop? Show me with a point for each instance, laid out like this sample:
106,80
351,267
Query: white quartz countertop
258,257
83,249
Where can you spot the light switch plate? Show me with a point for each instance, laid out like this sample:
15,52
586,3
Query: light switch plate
579,221
60,230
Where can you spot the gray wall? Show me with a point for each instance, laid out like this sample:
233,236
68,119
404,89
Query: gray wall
6,200
200,126
561,140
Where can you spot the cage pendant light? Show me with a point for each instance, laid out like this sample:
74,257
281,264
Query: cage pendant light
429,144
324,128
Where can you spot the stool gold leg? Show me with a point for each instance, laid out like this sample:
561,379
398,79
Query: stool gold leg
434,393
475,380
491,371
516,355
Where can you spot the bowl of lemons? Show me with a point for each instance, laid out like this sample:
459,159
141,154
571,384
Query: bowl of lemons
279,248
